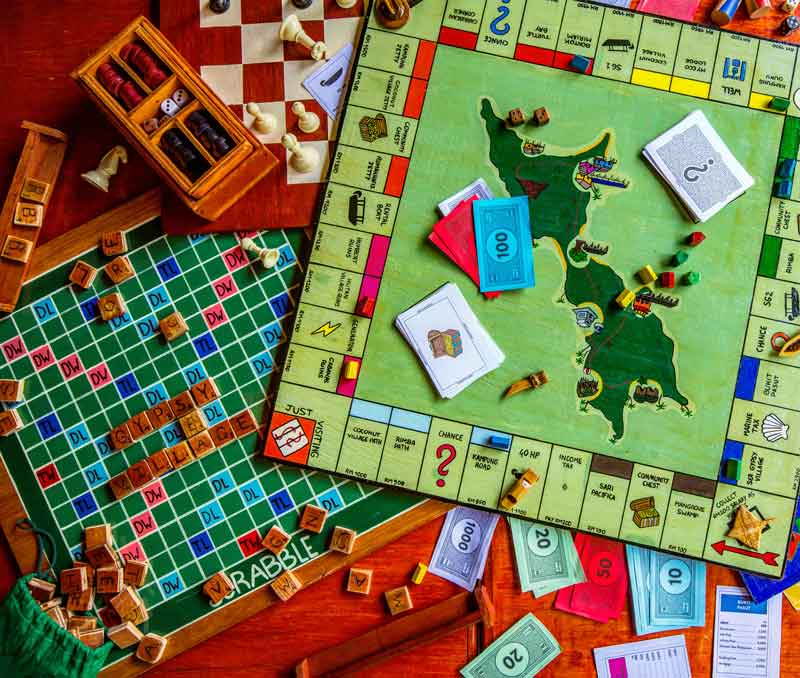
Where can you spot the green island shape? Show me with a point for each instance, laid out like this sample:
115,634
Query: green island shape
630,349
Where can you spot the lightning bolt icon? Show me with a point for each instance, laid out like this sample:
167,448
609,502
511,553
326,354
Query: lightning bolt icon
326,329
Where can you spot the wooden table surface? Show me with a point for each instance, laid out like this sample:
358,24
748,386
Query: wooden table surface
40,42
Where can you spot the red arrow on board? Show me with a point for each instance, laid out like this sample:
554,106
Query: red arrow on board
769,558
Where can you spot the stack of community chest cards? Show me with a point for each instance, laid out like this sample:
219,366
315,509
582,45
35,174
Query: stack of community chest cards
449,339
698,166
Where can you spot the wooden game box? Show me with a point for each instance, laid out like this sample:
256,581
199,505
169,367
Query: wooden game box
223,180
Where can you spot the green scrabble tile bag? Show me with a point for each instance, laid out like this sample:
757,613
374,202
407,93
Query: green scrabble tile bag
32,645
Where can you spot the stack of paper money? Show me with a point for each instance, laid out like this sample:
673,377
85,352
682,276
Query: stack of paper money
668,592
546,557
449,340
463,545
522,651
695,163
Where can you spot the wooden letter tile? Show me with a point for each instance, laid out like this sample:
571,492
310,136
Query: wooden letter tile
81,602
119,270
11,390
124,635
57,615
135,573
108,615
286,585
114,243
111,306
89,570
101,556
159,463
94,638
120,437
81,623
204,392
180,454
201,444
218,587
313,518
126,603
97,535
160,415
10,421
140,474
139,425
17,249
35,190
193,423
151,648
121,485
275,540
73,580
359,580
343,539
172,326
109,579
26,214
399,600
222,433
41,590
83,274
182,403
243,423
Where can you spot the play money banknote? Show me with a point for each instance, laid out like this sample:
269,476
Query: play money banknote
463,544
522,651
504,243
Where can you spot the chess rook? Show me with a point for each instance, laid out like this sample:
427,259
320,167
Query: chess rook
292,30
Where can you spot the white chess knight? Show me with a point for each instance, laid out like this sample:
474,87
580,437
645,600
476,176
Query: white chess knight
266,255
292,30
303,158
263,123
108,167
307,121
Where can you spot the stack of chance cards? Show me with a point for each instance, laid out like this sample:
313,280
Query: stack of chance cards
449,340
696,164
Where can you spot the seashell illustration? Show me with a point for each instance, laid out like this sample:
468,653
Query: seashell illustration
772,428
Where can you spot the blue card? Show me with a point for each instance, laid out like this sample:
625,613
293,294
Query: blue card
504,243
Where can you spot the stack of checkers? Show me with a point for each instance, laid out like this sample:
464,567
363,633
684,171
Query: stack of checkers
102,572
202,126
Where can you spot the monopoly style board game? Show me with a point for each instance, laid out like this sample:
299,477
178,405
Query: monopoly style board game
83,377
644,405
241,57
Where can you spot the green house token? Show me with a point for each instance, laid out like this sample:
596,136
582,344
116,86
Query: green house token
732,469
779,104
692,278
679,257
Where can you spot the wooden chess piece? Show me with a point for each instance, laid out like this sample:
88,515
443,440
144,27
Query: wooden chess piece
107,168
292,30
303,158
263,123
307,121
266,255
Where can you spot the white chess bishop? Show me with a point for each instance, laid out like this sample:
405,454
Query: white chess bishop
292,30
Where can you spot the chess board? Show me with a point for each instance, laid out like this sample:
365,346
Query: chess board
83,376
240,56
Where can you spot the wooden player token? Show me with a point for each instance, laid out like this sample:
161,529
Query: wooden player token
35,190
120,437
151,648
109,579
172,326
10,421
217,587
181,404
97,535
111,306
313,518
343,539
243,423
124,635
193,423
159,463
140,474
747,528
82,274
204,392
119,270
11,390
286,585
139,425
160,415
222,433
113,243
399,600
275,540
17,249
121,486
180,454
135,573
201,444
26,214
359,580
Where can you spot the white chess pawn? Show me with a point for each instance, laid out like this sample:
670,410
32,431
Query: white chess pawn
266,255
109,164
303,159
263,123
346,4
307,121
292,30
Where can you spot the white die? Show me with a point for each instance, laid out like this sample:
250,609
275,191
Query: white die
789,6
181,97
169,107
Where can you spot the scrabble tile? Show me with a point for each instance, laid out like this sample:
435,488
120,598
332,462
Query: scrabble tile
111,306
243,423
135,573
121,486
97,535
17,249
140,474
204,392
218,587
35,190
398,600
343,539
124,635
159,463
119,270
172,326
108,615
192,423
100,556
222,433
201,444
81,602
83,274
160,415
94,638
10,421
89,569
140,615
120,437
58,615
359,580
181,404
275,540
11,390
114,243
81,622
125,603
139,425
180,454
109,579
73,580
286,585
41,590
313,518
26,214
55,602
151,648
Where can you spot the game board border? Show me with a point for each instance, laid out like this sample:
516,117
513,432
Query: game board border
69,245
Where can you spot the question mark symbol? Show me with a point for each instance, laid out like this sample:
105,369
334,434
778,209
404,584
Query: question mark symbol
688,172
442,468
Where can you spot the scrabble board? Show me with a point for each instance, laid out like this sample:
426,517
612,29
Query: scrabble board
645,405
240,56
83,377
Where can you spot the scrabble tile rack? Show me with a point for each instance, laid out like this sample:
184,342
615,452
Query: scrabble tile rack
225,179
41,160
